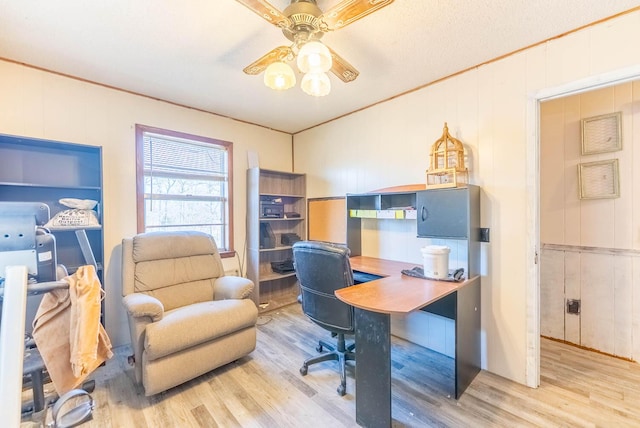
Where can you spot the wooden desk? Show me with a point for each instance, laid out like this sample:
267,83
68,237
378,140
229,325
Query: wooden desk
374,301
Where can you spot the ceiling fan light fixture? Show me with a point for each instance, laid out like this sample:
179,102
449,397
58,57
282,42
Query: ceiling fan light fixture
316,84
279,76
314,57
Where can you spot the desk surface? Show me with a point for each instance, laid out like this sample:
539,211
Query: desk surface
395,293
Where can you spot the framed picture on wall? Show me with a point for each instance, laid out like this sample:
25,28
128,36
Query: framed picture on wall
602,134
598,180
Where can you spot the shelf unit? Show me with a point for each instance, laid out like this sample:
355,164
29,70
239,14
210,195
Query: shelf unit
36,170
272,289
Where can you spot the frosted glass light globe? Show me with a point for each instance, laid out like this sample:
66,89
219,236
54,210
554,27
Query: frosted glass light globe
279,76
316,84
314,57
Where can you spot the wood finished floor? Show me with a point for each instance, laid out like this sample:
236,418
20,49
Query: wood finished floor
578,389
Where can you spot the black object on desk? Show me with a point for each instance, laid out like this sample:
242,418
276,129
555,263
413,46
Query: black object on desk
418,272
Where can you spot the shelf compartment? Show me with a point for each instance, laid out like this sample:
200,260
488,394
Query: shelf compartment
384,214
47,186
281,195
74,228
281,219
277,183
59,165
273,276
277,248
279,292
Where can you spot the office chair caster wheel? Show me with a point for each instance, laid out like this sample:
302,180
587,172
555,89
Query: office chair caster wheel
319,348
303,370
342,390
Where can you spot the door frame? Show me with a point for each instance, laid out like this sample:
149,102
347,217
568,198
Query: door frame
533,198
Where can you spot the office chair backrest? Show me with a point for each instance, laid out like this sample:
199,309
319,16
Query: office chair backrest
321,269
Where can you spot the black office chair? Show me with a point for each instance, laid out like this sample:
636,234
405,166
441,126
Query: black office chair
321,269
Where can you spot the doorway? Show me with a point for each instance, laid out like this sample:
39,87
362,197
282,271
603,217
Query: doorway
587,245
534,181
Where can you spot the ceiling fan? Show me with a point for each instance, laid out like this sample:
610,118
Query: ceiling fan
304,23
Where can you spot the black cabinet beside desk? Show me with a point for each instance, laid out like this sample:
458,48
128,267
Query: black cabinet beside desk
454,213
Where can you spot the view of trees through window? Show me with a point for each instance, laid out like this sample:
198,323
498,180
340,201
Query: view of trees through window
186,184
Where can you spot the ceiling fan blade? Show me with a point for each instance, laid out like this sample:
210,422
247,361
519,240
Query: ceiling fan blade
341,68
281,53
349,11
267,11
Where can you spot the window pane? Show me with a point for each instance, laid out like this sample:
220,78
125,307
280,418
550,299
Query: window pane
171,212
216,231
179,186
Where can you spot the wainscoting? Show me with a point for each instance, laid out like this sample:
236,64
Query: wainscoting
607,284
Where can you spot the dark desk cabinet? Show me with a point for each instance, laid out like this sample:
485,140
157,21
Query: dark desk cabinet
443,213
452,214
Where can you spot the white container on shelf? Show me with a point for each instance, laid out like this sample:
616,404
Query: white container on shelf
436,261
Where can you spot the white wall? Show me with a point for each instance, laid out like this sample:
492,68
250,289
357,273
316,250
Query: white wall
591,247
488,109
38,104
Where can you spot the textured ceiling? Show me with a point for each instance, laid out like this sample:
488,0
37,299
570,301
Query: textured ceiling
192,52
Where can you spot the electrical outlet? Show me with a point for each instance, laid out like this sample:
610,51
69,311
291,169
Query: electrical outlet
573,306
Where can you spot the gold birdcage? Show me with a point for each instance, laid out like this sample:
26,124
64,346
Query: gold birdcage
446,163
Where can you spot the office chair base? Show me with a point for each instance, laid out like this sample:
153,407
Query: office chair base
341,353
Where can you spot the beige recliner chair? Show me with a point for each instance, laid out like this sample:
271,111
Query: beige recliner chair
186,318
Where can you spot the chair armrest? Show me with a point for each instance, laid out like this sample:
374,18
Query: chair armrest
140,305
232,287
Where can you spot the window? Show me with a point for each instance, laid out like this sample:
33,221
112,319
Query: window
184,183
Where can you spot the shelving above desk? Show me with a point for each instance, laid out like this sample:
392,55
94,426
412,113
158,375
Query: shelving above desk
393,214
396,203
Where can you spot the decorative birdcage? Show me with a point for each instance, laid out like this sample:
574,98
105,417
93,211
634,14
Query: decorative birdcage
446,163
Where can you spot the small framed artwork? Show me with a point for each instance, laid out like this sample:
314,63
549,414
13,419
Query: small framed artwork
599,180
602,134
